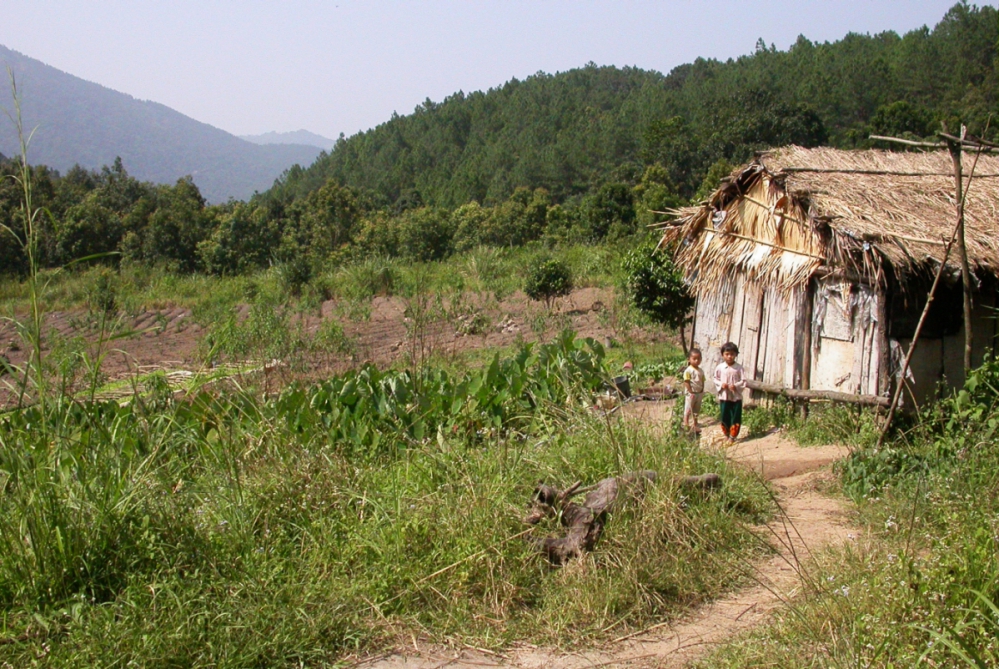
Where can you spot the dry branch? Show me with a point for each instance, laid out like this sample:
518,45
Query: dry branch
585,522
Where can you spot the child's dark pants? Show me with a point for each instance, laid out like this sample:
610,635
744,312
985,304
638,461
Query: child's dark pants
731,417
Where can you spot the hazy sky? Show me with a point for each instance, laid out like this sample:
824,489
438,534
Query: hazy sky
342,66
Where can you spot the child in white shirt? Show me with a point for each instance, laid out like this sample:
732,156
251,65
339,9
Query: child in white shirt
730,380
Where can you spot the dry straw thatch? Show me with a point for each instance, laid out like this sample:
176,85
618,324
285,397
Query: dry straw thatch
796,211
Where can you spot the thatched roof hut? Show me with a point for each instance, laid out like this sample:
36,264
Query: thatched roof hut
800,229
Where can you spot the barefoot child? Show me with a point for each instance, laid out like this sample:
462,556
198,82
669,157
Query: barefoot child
693,390
730,381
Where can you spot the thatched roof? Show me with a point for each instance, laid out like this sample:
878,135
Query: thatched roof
794,210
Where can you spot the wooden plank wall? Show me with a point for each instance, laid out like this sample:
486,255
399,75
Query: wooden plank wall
777,345
764,323
867,356
853,365
751,326
712,324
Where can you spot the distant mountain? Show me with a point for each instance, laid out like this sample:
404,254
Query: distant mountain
79,122
297,137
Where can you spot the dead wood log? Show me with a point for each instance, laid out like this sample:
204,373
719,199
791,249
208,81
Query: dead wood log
799,394
702,482
585,521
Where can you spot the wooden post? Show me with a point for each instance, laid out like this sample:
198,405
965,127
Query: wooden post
962,248
805,360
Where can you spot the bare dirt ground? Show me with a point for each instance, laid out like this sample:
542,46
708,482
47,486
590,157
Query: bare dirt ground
810,521
168,339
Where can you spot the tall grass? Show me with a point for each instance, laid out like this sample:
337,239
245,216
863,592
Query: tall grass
26,233
492,272
227,530
234,529
920,586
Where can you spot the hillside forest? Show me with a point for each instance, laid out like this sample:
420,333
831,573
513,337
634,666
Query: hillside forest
579,156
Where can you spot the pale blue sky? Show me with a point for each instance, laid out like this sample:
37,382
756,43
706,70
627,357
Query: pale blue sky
342,66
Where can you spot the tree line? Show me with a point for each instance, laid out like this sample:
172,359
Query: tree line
583,155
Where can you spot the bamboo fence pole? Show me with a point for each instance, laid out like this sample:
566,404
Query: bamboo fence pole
915,338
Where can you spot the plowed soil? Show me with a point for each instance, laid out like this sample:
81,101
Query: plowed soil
168,339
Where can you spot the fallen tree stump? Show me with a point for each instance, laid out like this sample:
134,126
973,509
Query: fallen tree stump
585,521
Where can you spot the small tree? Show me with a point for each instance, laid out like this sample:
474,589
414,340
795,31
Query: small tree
656,287
548,280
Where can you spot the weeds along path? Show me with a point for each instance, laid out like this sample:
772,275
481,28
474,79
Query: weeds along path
810,522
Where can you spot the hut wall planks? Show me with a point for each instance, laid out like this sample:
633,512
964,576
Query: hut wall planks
712,321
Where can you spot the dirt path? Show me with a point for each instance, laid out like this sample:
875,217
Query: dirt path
810,522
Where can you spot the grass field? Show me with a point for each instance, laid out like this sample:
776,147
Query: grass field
244,523
230,530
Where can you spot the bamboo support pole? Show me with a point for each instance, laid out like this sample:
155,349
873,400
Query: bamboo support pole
915,339
891,173
770,244
977,144
949,142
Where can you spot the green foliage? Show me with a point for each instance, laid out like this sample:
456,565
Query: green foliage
295,274
969,417
245,238
331,339
548,280
583,155
369,411
102,297
902,119
424,234
867,472
325,519
760,420
718,171
610,212
656,286
573,132
923,586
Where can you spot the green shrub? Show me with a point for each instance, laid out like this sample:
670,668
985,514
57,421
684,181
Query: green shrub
102,295
760,420
548,280
657,287
295,274
331,339
425,235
